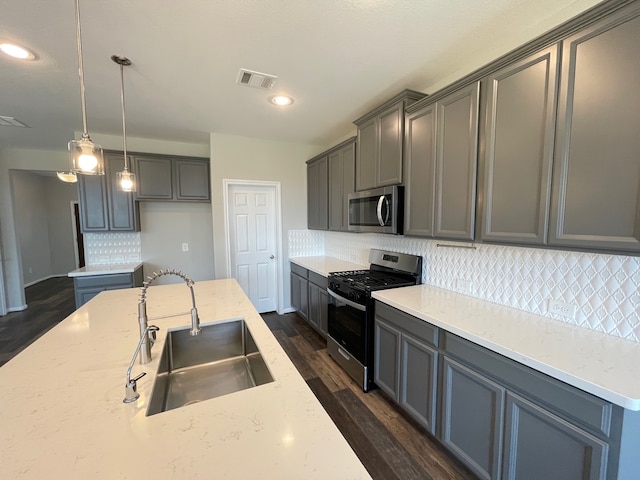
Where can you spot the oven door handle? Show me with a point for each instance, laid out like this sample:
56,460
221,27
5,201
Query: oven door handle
355,305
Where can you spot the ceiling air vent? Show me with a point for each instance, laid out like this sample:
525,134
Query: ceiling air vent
253,79
11,122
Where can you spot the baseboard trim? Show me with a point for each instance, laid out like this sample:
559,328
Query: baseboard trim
42,280
17,309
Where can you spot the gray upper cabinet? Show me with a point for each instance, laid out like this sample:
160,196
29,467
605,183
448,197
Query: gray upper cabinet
379,157
103,208
457,163
596,193
341,184
172,178
318,193
442,163
519,136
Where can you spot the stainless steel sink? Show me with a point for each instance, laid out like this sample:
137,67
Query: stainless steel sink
222,359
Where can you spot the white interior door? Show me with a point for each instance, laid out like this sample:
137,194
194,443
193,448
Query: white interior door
252,238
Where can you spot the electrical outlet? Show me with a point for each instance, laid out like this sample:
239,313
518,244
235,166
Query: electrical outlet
567,310
185,247
463,285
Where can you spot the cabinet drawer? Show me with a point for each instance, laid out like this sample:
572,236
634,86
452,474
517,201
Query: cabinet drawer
589,410
298,270
319,280
408,323
106,281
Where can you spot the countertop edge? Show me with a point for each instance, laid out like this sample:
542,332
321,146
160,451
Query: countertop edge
88,271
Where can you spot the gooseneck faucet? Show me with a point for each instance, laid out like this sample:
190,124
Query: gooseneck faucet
147,342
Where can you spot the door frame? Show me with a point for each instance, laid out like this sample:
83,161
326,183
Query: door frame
227,184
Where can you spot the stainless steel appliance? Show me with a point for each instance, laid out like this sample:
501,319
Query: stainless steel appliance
351,309
380,210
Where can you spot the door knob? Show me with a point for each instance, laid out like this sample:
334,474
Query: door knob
272,257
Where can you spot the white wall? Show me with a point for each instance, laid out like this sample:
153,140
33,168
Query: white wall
243,158
165,227
30,213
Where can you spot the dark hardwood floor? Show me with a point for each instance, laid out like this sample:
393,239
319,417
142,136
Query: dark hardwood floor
390,445
48,302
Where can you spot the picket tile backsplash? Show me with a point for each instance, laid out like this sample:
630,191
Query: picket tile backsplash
605,289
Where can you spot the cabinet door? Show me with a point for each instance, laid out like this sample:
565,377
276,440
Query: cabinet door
420,181
539,445
418,367
154,178
366,160
341,184
472,418
92,200
456,164
122,209
295,291
519,134
596,194
390,131
317,195
386,368
314,306
192,180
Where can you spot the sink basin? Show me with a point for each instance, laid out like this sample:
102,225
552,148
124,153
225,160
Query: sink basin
223,359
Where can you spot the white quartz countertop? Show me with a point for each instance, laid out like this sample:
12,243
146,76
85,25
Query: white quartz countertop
600,364
105,269
324,265
61,410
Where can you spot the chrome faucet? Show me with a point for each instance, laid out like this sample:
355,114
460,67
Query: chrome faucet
145,338
130,387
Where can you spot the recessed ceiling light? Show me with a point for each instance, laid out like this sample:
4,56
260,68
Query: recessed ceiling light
16,51
281,100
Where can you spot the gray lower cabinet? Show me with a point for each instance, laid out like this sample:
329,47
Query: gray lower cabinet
87,287
504,420
103,208
318,303
406,362
309,297
318,193
596,194
442,163
518,153
472,418
532,434
299,290
342,170
167,178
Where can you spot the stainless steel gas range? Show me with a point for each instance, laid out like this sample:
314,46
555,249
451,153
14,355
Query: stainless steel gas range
351,309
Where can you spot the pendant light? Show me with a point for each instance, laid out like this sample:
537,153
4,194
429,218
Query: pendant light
67,177
86,156
125,179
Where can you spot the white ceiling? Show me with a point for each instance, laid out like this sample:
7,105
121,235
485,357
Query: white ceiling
337,58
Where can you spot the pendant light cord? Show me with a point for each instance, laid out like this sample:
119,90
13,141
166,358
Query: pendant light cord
85,133
124,123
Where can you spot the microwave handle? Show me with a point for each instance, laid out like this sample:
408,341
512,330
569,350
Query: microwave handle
381,200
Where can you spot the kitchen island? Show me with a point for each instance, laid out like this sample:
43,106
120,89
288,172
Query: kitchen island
62,411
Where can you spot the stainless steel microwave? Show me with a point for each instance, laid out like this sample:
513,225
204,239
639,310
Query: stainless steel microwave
380,210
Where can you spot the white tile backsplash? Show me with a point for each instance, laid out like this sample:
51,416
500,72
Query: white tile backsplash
111,247
604,288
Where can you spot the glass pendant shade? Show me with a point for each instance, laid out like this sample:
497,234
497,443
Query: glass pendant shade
67,177
86,157
126,181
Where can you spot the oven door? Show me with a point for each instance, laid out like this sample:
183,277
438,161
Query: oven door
348,325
